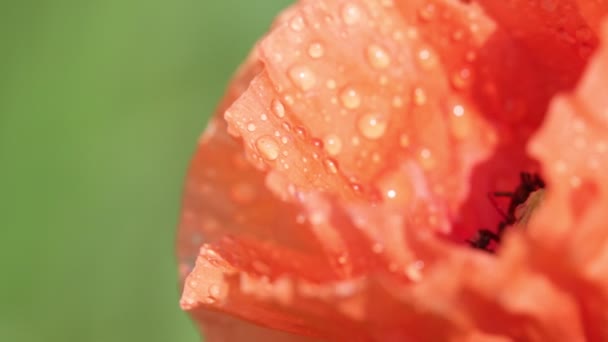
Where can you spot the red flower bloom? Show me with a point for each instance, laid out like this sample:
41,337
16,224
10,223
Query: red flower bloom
364,137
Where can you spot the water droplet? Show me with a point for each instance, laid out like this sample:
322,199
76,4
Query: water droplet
331,166
267,147
419,96
301,132
277,108
302,77
350,98
426,58
414,270
426,159
214,291
263,117
372,125
378,57
391,193
461,79
297,23
460,124
316,142
458,110
316,50
351,14
333,144
356,187
289,99
251,127
193,284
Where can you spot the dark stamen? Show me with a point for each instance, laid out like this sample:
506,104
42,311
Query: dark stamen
529,183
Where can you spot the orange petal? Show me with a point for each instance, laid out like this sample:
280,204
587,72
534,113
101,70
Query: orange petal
556,33
361,123
573,146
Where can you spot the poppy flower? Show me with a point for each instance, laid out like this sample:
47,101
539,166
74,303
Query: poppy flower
332,195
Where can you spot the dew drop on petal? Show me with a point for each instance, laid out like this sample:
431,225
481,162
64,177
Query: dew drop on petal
301,132
289,99
316,50
426,58
351,14
331,166
458,110
214,291
460,123
302,77
372,125
461,79
251,127
419,96
331,84
297,23
267,147
378,57
356,187
414,270
350,98
426,159
277,108
333,144
316,142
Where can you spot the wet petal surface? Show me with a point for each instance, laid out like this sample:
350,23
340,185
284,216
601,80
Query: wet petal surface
359,141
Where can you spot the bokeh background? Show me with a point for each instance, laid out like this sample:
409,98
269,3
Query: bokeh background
101,104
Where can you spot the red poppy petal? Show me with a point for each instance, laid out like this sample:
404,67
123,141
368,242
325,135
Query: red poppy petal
470,296
573,146
217,202
593,12
556,33
312,119
361,122
223,328
269,286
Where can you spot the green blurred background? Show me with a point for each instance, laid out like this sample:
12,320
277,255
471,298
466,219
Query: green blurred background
101,104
